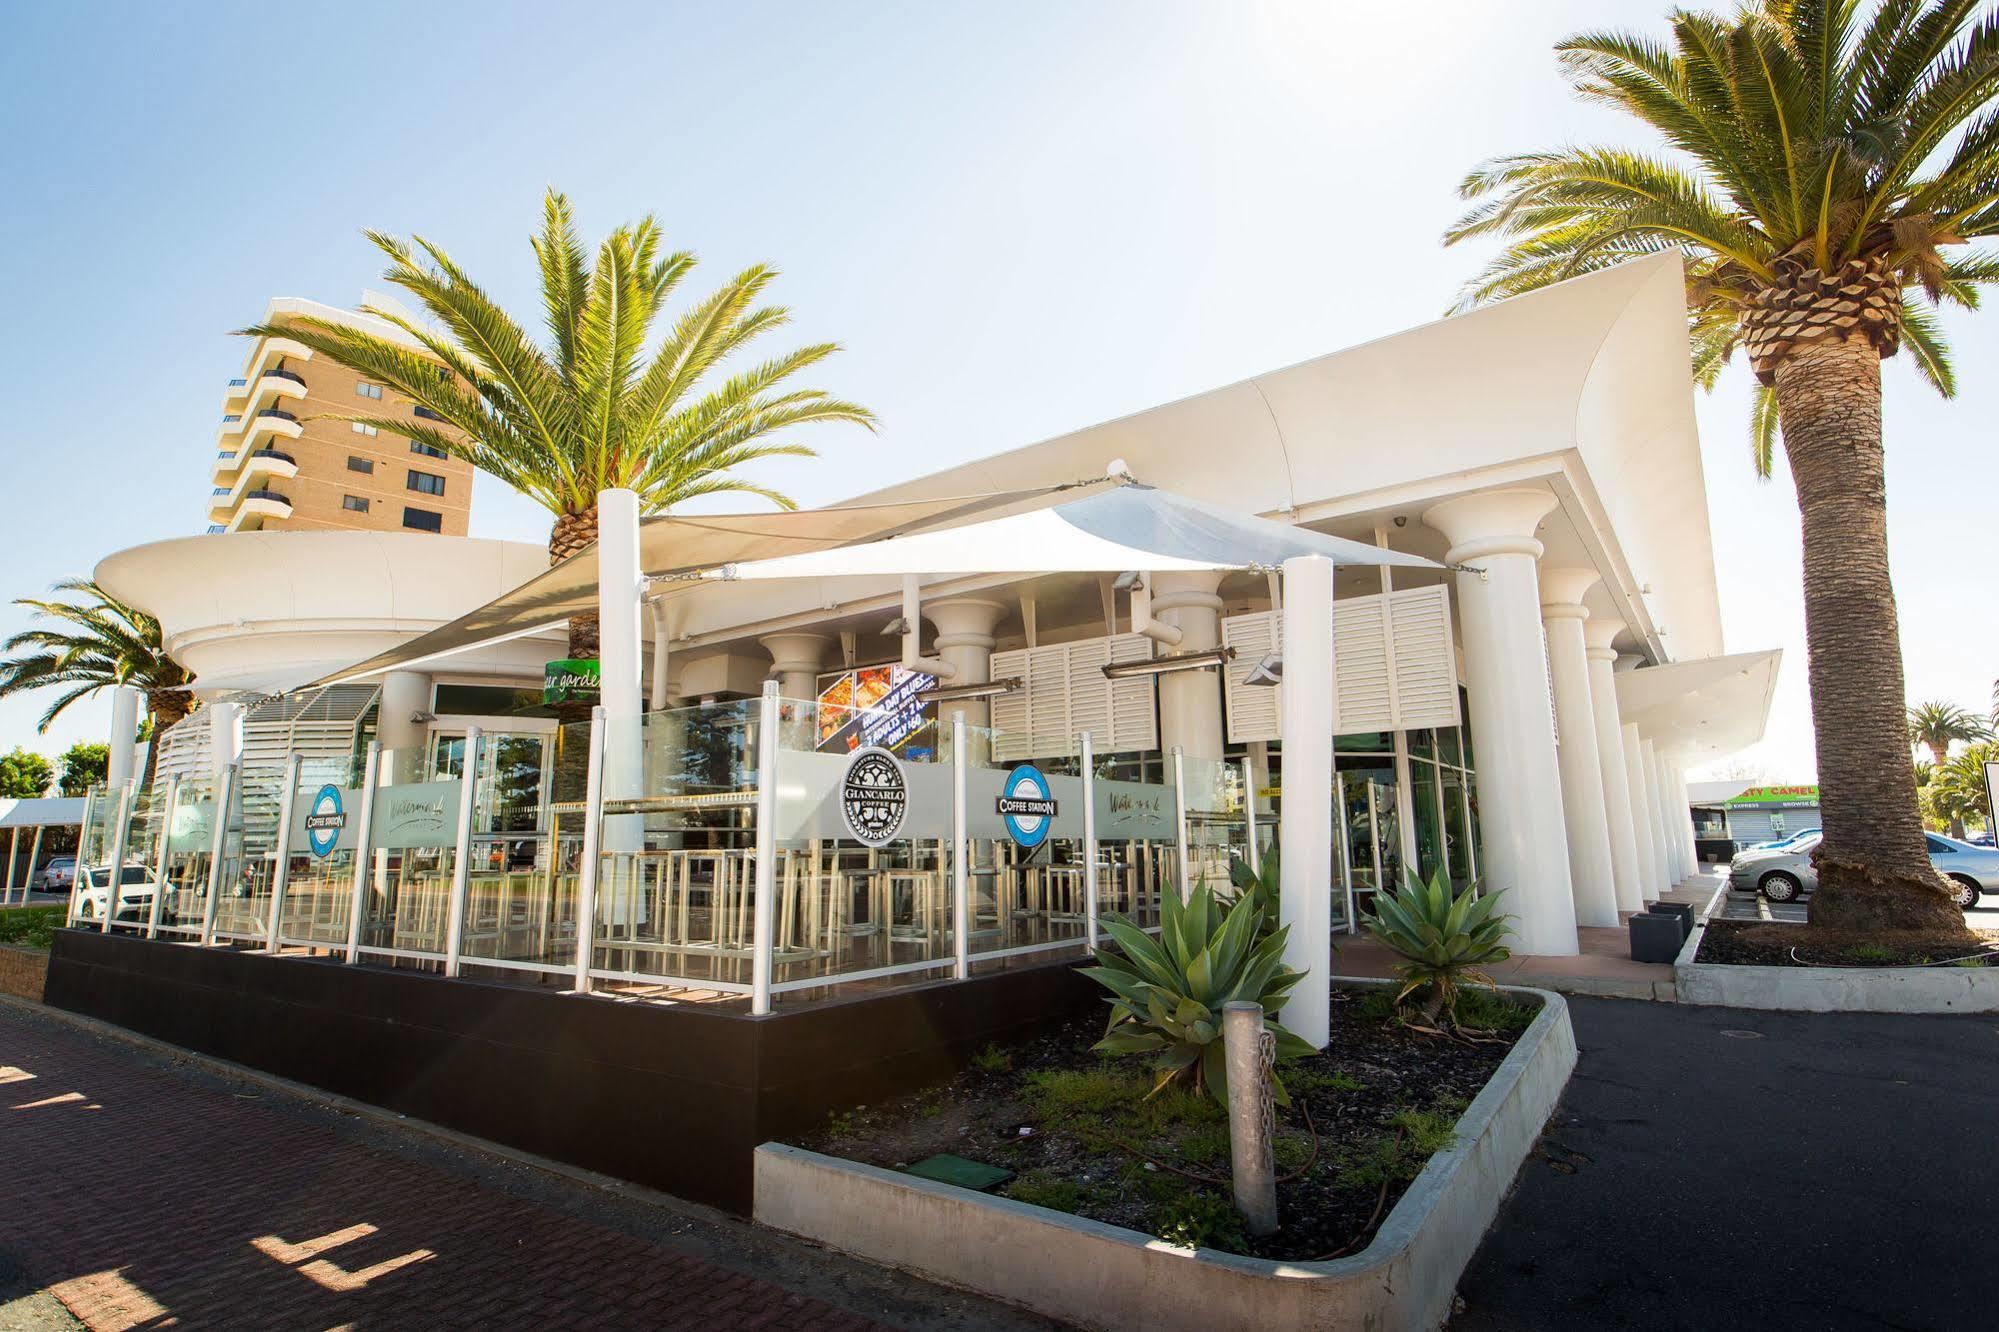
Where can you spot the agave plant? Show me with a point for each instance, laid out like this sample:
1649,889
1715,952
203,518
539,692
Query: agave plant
1258,882
1167,993
1443,940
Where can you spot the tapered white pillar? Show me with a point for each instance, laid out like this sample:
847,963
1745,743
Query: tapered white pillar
1684,803
965,639
225,738
1663,783
1651,869
1190,702
123,742
1662,851
1592,877
1305,826
1677,821
795,661
1597,636
1525,849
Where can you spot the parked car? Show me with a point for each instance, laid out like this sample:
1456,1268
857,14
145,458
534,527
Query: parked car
55,876
1979,839
1785,873
135,894
1792,840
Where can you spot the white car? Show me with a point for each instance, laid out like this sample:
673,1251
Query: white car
136,887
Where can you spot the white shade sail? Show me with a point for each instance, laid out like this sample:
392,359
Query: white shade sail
1133,527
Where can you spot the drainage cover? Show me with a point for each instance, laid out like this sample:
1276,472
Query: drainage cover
948,1169
1737,1033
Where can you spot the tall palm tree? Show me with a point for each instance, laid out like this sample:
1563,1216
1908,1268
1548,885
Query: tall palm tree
1936,725
1822,159
95,641
590,410
1957,788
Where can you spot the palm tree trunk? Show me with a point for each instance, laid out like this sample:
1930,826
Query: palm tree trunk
168,707
571,533
1874,869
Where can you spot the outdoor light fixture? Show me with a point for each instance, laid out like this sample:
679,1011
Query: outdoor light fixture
896,626
961,693
1128,581
420,718
1186,661
1269,672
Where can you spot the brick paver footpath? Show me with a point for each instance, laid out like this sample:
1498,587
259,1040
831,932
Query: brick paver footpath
144,1195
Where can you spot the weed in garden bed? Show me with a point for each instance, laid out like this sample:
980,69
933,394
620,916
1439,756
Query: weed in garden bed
1102,1144
30,927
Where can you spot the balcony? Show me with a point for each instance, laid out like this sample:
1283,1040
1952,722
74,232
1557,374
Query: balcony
270,422
250,471
257,508
255,383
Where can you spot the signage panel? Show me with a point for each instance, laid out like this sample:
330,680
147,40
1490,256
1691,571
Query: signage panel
571,679
417,816
875,705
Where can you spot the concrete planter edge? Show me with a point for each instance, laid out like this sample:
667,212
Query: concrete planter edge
1104,1276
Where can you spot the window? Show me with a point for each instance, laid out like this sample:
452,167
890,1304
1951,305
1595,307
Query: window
427,451
423,520
425,482
363,428
1938,846
426,413
363,465
354,503
368,390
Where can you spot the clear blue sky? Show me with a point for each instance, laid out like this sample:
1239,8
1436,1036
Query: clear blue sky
1019,219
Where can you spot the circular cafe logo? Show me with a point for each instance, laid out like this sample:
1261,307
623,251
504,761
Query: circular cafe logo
324,819
873,796
1027,806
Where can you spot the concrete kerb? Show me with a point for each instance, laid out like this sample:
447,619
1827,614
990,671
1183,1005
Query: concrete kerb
1829,989
1105,1276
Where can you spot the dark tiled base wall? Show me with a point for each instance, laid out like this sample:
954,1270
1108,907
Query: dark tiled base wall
675,1098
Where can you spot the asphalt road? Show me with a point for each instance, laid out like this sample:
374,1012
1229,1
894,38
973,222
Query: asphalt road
1722,1168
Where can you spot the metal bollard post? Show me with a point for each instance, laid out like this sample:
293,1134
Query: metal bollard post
1251,1051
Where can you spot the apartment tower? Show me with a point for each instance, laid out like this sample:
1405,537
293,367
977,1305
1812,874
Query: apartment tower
282,465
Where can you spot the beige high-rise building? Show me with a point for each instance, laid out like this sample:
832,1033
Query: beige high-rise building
279,468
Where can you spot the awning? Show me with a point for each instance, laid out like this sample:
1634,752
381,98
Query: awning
1701,710
680,546
1133,527
42,812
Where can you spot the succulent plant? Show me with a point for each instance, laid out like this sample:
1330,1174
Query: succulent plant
1442,938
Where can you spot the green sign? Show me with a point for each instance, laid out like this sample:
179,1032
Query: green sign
1792,797
570,681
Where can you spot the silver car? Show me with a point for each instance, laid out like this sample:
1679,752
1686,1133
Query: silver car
1785,873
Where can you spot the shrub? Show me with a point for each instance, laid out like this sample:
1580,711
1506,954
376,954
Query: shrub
1167,993
1258,884
1201,1220
1442,939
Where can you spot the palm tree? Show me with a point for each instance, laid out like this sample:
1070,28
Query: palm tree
1822,158
1935,726
589,411
1956,789
96,642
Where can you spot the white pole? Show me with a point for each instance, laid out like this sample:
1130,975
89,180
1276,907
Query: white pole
166,850
281,873
13,850
115,876
961,845
1180,821
1255,857
34,855
225,799
363,857
662,652
461,866
766,864
123,765
586,876
76,879
1305,828
619,654
1090,889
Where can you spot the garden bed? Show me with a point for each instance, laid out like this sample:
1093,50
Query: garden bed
1776,944
1080,1135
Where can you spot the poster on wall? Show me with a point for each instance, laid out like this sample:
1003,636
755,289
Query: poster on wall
873,706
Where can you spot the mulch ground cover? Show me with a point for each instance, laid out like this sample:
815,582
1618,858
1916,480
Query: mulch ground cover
1781,944
1081,1134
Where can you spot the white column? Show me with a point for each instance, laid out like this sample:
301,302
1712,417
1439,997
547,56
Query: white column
1305,830
406,697
1525,849
1651,870
662,656
1190,702
1624,862
619,654
796,659
1592,876
1686,820
124,738
965,639
225,737
1662,852
1676,817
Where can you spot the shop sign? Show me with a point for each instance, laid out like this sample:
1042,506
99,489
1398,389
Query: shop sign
420,815
1027,806
325,820
873,797
193,826
571,680
1780,797
875,706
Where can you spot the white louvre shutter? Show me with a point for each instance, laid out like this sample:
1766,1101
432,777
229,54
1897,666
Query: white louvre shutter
1065,692
1362,667
1134,699
1009,711
1252,709
1426,677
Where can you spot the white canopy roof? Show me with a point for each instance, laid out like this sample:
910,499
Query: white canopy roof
42,812
1132,527
1701,710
